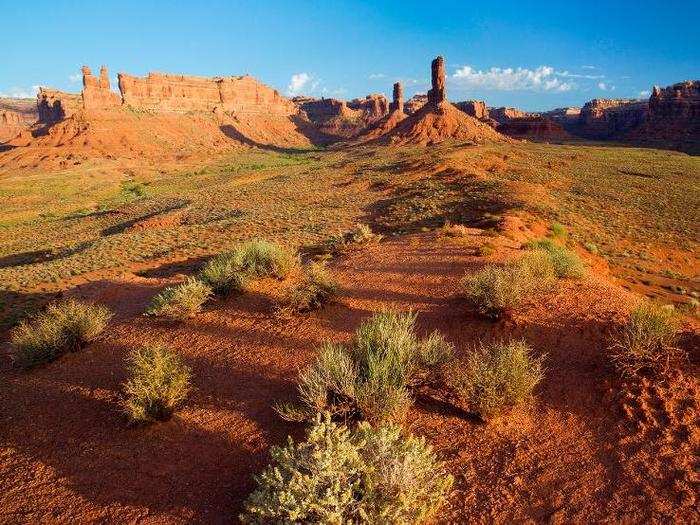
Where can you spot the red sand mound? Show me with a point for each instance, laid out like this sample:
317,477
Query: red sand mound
434,124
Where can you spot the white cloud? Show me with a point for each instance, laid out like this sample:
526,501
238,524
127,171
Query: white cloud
19,92
605,87
301,82
567,74
74,79
508,79
375,76
644,94
588,67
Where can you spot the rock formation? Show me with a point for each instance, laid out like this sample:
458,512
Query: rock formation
474,108
438,120
415,103
397,103
54,106
338,119
673,117
11,124
180,94
535,128
437,94
97,93
503,114
373,107
610,118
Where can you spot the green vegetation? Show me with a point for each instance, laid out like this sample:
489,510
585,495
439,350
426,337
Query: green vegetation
498,289
370,475
262,258
65,326
223,275
558,231
371,379
158,385
497,376
647,342
566,262
314,288
181,301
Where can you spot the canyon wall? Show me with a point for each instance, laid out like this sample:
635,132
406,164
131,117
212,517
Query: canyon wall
11,124
474,108
610,118
533,127
54,105
339,119
97,93
178,93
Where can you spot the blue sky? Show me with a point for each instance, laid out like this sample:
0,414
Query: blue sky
530,55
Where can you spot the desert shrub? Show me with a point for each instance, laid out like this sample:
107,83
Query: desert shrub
647,342
223,275
159,383
486,249
64,326
566,262
340,476
181,301
454,230
497,289
497,376
558,230
370,379
313,290
362,234
261,258
592,248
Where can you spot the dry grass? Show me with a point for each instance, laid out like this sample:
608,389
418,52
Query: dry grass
314,288
647,342
65,326
158,385
180,302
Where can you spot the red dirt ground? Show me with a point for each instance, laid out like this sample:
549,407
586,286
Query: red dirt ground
587,449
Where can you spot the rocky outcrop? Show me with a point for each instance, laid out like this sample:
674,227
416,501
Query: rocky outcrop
474,108
534,128
372,107
241,95
673,117
97,93
338,119
503,114
397,102
415,103
602,119
11,124
437,94
54,106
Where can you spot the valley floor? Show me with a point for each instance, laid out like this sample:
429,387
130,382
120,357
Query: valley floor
589,448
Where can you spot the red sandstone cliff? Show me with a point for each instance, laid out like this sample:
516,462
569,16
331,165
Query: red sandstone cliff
610,118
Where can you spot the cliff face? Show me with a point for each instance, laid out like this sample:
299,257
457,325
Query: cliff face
54,106
11,124
503,115
338,119
97,93
673,117
178,93
474,108
536,128
414,104
610,118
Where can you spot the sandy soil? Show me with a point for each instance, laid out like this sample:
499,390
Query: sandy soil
588,448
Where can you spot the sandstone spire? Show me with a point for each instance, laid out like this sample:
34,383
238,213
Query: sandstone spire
397,104
437,94
104,78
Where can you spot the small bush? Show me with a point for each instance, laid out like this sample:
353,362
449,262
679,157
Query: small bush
362,234
454,230
592,248
64,326
313,290
566,262
372,378
497,289
159,384
486,249
223,275
181,301
497,376
558,230
339,476
648,341
263,259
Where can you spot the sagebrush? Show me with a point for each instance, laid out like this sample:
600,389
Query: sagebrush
313,289
372,378
566,262
181,301
63,326
158,385
370,475
497,376
648,341
495,290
